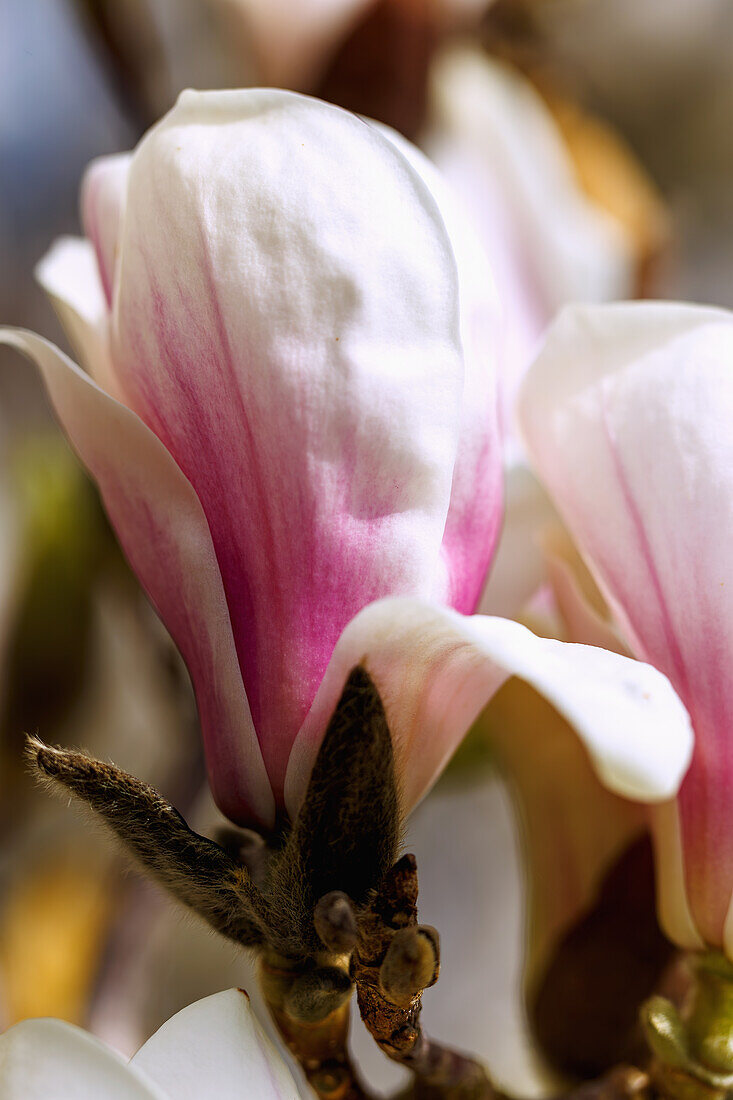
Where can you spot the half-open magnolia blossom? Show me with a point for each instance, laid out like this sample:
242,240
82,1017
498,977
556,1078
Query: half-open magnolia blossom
215,1047
498,145
291,409
627,415
295,417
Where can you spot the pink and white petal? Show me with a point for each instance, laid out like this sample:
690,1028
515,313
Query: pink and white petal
164,534
103,197
69,275
292,40
436,671
474,516
518,570
52,1060
287,323
627,415
216,1047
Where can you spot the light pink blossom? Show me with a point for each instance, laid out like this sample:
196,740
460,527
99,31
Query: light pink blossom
627,415
295,405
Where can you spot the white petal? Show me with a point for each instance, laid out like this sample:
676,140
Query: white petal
69,275
53,1060
436,670
548,244
572,828
673,907
216,1048
286,318
474,513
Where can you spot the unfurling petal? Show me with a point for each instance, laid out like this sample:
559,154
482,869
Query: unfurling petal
287,323
216,1047
436,671
53,1060
290,301
627,414
164,533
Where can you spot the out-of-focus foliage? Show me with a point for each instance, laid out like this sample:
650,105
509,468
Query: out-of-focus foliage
53,929
63,535
55,539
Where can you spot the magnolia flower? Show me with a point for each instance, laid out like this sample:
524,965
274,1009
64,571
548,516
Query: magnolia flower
291,415
626,414
550,242
214,1047
297,412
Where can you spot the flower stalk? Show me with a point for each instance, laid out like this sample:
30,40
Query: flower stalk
314,1028
391,959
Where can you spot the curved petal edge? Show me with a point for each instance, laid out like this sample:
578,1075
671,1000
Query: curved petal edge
436,670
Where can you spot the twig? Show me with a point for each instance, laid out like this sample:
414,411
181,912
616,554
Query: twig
394,960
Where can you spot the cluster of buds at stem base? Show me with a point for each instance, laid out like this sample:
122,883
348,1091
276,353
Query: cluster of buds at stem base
323,900
693,1046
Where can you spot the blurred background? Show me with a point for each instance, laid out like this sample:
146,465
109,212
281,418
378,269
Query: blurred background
591,140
